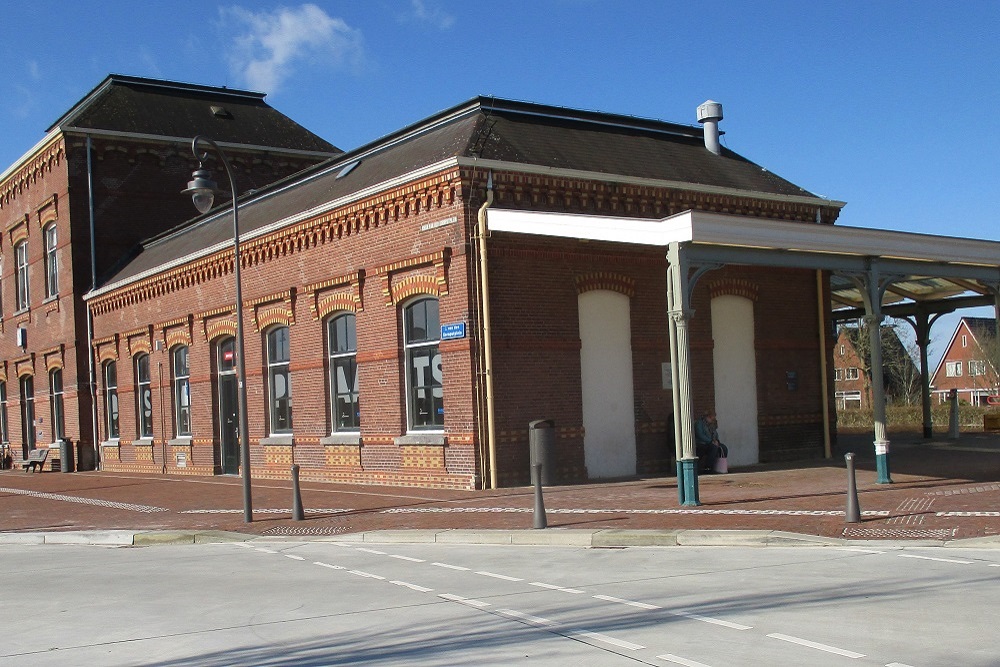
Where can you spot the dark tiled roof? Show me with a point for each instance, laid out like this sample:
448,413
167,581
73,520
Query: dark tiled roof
981,327
164,108
487,129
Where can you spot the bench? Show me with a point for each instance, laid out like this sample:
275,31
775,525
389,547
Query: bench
36,459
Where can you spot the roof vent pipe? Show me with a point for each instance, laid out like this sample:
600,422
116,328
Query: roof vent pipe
709,114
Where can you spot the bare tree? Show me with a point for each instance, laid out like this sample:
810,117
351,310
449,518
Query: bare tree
900,374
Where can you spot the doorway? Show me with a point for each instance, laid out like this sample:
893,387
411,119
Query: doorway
228,417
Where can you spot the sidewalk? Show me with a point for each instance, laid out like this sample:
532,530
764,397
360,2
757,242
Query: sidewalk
943,491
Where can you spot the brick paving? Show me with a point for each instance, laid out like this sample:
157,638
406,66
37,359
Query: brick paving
942,490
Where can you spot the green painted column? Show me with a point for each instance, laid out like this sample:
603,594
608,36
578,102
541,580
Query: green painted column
689,482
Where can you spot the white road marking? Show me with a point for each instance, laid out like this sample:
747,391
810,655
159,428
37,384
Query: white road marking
332,567
372,551
469,601
409,558
709,619
994,565
681,661
640,605
534,620
498,576
816,645
242,545
553,587
544,622
414,587
860,551
898,664
940,560
452,567
366,574
263,550
620,643
294,557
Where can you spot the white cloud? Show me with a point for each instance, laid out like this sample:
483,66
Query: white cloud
33,70
270,46
432,14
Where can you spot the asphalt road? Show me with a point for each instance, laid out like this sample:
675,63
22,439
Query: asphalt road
324,603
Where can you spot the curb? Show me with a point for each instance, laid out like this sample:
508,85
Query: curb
597,538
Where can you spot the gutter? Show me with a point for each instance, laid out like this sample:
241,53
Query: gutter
484,290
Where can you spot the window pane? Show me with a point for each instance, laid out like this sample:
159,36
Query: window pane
279,380
426,391
182,391
111,398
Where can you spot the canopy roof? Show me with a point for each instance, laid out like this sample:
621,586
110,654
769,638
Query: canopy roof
936,272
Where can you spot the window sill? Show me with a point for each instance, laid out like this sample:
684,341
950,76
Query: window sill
140,442
183,441
341,439
285,440
110,443
422,439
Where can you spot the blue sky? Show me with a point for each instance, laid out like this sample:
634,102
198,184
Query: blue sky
889,106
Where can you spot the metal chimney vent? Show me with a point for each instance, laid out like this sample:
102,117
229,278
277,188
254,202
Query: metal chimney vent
709,114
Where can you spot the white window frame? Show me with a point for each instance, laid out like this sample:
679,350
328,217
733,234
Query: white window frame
342,353
852,373
22,292
423,348
279,380
57,405
180,371
953,369
143,397
51,261
111,414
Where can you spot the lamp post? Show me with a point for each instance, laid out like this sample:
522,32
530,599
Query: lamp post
202,190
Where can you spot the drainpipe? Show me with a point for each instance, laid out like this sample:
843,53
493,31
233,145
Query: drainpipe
491,440
90,318
823,369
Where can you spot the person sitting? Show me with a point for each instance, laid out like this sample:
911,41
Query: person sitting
706,442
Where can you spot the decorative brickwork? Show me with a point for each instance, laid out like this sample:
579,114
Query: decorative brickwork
423,456
278,455
343,456
397,290
44,161
733,287
603,280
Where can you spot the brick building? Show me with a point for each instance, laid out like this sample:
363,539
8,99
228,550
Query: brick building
966,364
107,170
368,304
852,383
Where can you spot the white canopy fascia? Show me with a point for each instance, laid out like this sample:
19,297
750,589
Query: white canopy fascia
700,227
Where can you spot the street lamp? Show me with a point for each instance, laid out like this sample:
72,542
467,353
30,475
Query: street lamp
202,189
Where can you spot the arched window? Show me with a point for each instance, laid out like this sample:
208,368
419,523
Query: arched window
424,390
111,400
342,348
21,276
56,403
279,381
51,262
182,390
143,397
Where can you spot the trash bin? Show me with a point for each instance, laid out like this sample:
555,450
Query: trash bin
541,443
65,455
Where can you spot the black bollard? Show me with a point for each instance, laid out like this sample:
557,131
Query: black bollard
853,511
297,513
540,521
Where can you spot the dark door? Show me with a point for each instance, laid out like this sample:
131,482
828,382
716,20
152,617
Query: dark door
27,414
229,424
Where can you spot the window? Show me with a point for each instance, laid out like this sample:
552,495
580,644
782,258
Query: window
4,424
342,346
21,275
279,382
977,367
838,374
841,350
182,390
852,374
848,400
143,397
953,369
965,340
51,263
424,390
56,403
111,400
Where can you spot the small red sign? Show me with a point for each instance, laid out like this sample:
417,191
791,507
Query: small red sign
228,355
